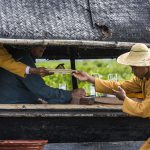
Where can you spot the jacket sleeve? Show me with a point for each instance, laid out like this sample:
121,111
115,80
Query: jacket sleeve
105,86
8,63
37,86
140,109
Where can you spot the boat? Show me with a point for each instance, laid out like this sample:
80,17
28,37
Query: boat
73,30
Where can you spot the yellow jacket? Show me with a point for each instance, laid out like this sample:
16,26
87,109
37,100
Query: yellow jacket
146,145
136,85
8,63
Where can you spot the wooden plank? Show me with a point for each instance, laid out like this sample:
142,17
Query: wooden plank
59,106
106,103
104,107
67,110
127,145
100,44
75,129
22,144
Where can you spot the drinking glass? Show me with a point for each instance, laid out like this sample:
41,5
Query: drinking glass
113,77
62,86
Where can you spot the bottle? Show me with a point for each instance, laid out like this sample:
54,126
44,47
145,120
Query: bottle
112,77
62,86
92,90
92,87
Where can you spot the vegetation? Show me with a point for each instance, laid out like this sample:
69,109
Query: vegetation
102,67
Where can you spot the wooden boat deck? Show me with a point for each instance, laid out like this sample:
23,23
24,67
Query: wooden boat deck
71,123
102,107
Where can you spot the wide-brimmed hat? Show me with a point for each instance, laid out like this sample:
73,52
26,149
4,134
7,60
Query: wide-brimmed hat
139,55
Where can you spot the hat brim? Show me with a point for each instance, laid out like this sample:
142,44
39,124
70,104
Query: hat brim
126,60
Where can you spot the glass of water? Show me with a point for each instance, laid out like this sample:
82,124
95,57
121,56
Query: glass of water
92,87
113,77
62,86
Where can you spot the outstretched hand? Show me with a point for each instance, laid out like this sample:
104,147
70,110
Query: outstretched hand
120,93
83,76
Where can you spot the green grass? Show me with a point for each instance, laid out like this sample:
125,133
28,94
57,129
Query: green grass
103,67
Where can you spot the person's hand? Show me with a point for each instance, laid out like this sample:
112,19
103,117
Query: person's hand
120,93
76,95
42,71
83,76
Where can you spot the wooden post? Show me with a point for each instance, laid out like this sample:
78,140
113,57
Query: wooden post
74,80
22,144
73,66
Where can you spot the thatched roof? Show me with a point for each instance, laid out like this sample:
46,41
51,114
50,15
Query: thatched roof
109,20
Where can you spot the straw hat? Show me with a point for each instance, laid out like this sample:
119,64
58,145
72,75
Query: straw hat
139,55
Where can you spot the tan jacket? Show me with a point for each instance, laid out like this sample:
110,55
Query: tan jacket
8,63
136,85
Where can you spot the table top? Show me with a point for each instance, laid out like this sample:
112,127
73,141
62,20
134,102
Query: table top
104,107
108,100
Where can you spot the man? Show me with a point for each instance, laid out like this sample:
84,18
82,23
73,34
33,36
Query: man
139,60
9,63
15,89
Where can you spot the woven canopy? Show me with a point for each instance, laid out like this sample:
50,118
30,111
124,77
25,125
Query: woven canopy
109,20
